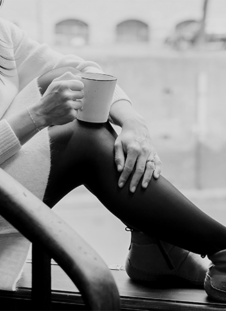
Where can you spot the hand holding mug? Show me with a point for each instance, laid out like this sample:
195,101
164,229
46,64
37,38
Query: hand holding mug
59,103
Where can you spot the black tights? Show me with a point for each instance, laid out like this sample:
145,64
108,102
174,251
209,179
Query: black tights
83,154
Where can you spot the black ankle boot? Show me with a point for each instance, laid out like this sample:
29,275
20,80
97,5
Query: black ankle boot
154,261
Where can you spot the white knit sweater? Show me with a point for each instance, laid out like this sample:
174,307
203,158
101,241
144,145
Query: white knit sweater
30,163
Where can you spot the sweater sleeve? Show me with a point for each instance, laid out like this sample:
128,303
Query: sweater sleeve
9,143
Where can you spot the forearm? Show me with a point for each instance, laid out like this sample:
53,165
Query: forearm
122,111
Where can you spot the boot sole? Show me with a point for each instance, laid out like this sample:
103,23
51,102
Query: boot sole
141,276
214,293
162,280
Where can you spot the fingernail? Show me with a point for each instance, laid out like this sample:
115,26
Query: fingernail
119,167
133,189
145,185
121,184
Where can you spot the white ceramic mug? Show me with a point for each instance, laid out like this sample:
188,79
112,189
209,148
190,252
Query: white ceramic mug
98,92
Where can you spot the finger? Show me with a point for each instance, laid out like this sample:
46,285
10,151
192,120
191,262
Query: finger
69,117
67,76
67,94
119,155
150,167
74,95
76,105
73,114
158,167
128,167
140,169
74,85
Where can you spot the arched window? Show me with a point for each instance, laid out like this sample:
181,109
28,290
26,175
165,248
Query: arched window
188,28
132,31
72,32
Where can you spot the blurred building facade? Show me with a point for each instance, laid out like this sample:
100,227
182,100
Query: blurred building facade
108,22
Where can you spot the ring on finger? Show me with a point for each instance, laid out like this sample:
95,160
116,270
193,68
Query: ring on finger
152,163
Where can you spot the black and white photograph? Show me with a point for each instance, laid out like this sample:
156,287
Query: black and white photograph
112,155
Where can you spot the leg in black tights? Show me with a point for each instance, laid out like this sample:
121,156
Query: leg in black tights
83,154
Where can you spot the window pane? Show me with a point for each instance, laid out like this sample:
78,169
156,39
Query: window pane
132,31
71,32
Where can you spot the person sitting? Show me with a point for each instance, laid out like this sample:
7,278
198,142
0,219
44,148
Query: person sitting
50,152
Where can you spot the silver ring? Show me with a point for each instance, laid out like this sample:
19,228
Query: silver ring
151,161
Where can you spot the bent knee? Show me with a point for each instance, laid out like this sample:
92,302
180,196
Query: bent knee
82,135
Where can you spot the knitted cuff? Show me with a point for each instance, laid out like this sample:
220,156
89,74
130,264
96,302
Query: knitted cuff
9,143
119,94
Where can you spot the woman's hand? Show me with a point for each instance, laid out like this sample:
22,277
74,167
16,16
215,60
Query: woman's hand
59,103
135,154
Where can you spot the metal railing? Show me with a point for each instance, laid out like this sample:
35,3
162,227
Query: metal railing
53,238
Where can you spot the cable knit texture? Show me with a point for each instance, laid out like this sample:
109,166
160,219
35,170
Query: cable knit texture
10,142
29,164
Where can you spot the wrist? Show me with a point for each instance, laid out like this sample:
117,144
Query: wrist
37,117
134,120
131,116
123,112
